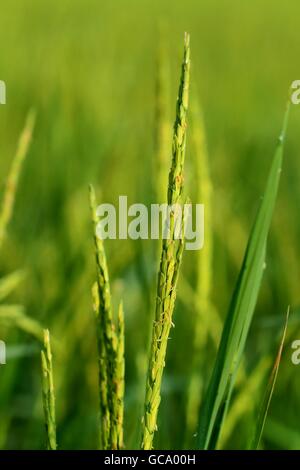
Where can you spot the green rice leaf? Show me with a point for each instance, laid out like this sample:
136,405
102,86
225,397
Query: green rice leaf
241,309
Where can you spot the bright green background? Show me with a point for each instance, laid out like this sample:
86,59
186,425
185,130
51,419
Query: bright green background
88,67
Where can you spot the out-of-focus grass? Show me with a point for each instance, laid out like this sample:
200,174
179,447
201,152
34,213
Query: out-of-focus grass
89,69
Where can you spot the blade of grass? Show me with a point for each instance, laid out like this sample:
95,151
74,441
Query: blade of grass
14,174
48,393
269,393
241,308
169,265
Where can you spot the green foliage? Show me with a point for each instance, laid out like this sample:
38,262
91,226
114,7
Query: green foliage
110,338
169,264
241,311
91,74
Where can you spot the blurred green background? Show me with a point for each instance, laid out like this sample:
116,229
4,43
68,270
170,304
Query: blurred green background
89,69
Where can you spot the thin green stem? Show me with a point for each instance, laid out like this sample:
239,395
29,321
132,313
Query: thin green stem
48,393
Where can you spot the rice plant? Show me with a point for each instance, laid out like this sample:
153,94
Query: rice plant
110,338
216,407
240,312
48,392
169,265
14,314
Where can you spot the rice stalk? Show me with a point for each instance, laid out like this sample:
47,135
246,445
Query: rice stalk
169,265
120,378
110,349
48,393
159,171
14,174
103,386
